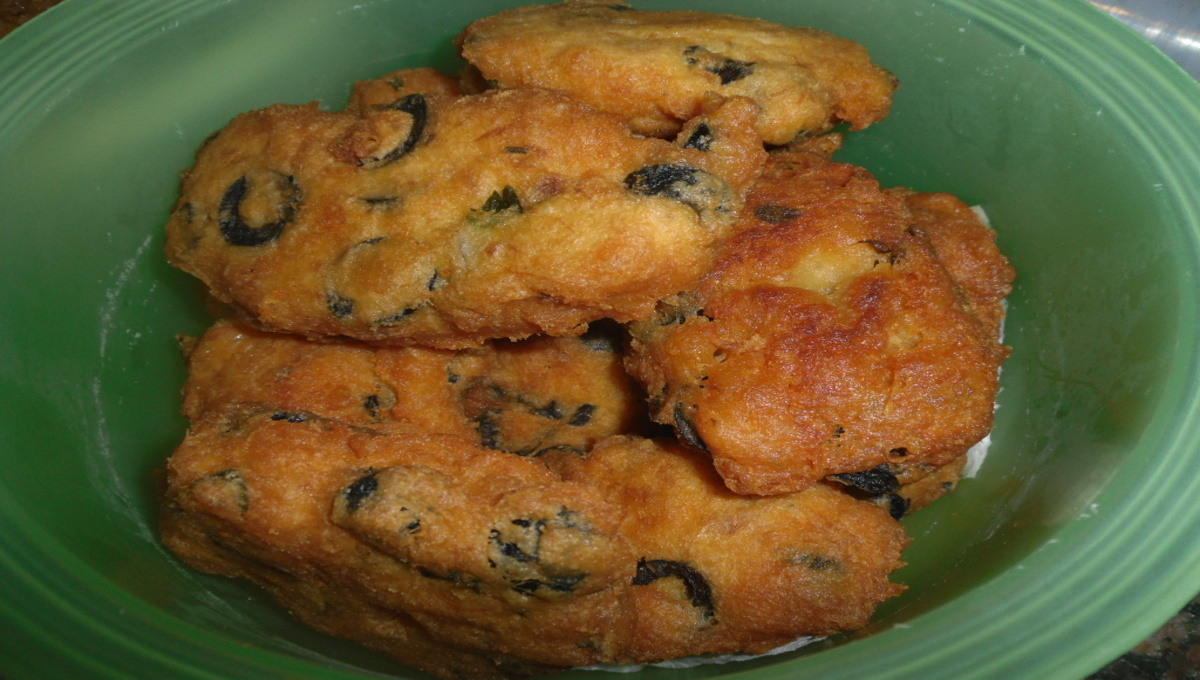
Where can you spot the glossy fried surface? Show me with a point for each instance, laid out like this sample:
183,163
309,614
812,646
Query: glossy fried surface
828,339
460,554
655,67
454,310
548,393
346,478
966,246
720,572
924,491
444,219
522,397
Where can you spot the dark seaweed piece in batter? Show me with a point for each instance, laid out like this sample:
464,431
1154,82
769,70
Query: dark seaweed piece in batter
731,70
582,415
515,548
880,486
458,578
488,429
371,404
339,306
234,227
699,190
416,106
551,410
894,503
662,180
777,214
816,562
489,405
894,253
505,199
695,585
727,69
229,486
360,491
701,138
877,480
523,543
380,202
397,317
686,428
436,282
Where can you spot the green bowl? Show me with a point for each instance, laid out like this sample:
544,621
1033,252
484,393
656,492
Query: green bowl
1079,536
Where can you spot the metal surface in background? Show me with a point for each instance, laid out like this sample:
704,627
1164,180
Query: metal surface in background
1172,25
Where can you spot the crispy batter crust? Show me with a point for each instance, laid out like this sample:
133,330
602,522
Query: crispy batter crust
445,220
325,473
522,397
827,339
726,573
422,425
475,553
966,245
654,68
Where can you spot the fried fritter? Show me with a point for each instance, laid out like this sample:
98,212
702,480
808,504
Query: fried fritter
828,338
546,393
347,478
966,246
387,89
460,554
655,68
720,572
445,220
923,492
416,429
522,397
453,558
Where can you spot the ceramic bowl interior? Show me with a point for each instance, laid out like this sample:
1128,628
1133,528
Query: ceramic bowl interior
1076,539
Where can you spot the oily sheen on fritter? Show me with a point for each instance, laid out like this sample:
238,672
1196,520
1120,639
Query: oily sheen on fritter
308,471
428,217
522,397
655,68
587,355
828,339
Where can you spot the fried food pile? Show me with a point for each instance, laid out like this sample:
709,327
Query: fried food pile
591,354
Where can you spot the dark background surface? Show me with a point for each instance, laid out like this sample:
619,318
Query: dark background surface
1173,652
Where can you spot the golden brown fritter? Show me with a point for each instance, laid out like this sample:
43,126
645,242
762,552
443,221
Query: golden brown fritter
546,393
445,220
521,397
966,245
345,478
828,338
455,554
923,492
655,68
460,554
720,572
391,87
416,428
